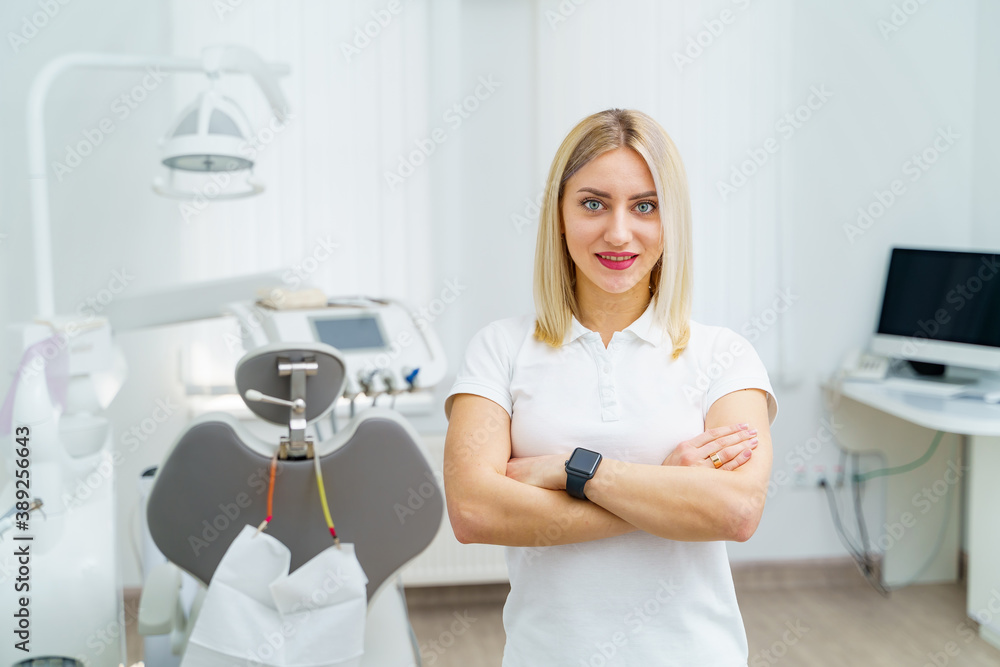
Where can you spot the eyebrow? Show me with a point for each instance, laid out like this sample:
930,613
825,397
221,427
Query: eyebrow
601,193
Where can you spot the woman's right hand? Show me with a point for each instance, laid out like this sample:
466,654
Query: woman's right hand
734,446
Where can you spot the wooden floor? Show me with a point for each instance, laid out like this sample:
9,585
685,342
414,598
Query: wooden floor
842,621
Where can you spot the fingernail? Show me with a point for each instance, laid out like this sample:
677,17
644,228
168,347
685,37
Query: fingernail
752,431
746,454
754,441
743,425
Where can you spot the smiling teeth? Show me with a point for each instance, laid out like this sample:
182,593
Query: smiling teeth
617,259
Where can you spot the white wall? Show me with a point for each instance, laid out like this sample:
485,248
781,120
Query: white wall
889,98
104,217
784,229
985,203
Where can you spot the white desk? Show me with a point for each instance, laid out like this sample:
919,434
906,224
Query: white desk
901,426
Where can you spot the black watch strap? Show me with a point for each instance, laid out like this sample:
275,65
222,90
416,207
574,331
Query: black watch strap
575,484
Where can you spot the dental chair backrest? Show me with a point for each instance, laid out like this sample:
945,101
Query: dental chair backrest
382,493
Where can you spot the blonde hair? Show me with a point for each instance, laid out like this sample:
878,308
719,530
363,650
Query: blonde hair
670,280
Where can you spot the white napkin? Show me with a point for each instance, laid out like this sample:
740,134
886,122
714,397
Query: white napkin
256,614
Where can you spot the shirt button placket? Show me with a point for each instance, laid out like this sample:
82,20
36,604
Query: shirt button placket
609,402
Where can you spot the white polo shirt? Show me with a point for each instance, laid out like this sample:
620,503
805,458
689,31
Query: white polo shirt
634,599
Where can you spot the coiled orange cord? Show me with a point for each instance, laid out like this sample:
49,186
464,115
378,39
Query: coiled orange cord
270,495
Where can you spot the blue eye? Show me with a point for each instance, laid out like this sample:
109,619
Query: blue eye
649,207
596,204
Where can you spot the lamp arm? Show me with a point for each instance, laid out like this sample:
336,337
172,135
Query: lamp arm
35,130
232,57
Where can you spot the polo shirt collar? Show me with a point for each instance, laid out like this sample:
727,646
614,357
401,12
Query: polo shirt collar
642,328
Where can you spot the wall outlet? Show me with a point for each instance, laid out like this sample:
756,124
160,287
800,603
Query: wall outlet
819,474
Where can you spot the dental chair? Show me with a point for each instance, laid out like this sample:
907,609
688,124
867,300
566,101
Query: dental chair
381,491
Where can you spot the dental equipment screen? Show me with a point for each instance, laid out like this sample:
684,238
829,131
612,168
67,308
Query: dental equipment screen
943,295
350,333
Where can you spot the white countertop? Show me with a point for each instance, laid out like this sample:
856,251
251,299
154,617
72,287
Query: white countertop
965,415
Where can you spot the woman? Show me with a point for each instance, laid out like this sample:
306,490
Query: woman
618,559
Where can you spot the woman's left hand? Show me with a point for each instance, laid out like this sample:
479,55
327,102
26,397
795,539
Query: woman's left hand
545,472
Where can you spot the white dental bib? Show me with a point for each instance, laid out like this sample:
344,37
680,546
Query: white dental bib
257,614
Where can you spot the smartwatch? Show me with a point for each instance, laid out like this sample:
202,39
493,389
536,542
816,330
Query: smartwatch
580,467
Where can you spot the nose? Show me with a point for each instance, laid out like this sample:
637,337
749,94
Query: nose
618,231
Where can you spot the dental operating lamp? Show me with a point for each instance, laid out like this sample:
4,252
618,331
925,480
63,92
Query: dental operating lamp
74,558
208,137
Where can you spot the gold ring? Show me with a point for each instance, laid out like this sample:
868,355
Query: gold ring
716,460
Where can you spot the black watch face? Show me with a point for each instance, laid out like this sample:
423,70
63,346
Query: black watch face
584,462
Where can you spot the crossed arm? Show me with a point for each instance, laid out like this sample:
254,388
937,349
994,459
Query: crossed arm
493,499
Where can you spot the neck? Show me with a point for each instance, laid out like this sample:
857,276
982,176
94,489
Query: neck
605,312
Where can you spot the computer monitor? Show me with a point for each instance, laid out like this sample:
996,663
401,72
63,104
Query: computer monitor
942,307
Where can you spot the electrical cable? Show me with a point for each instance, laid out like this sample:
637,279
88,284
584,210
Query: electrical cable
866,551
270,495
907,467
937,548
322,499
858,554
945,521
853,550
862,527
